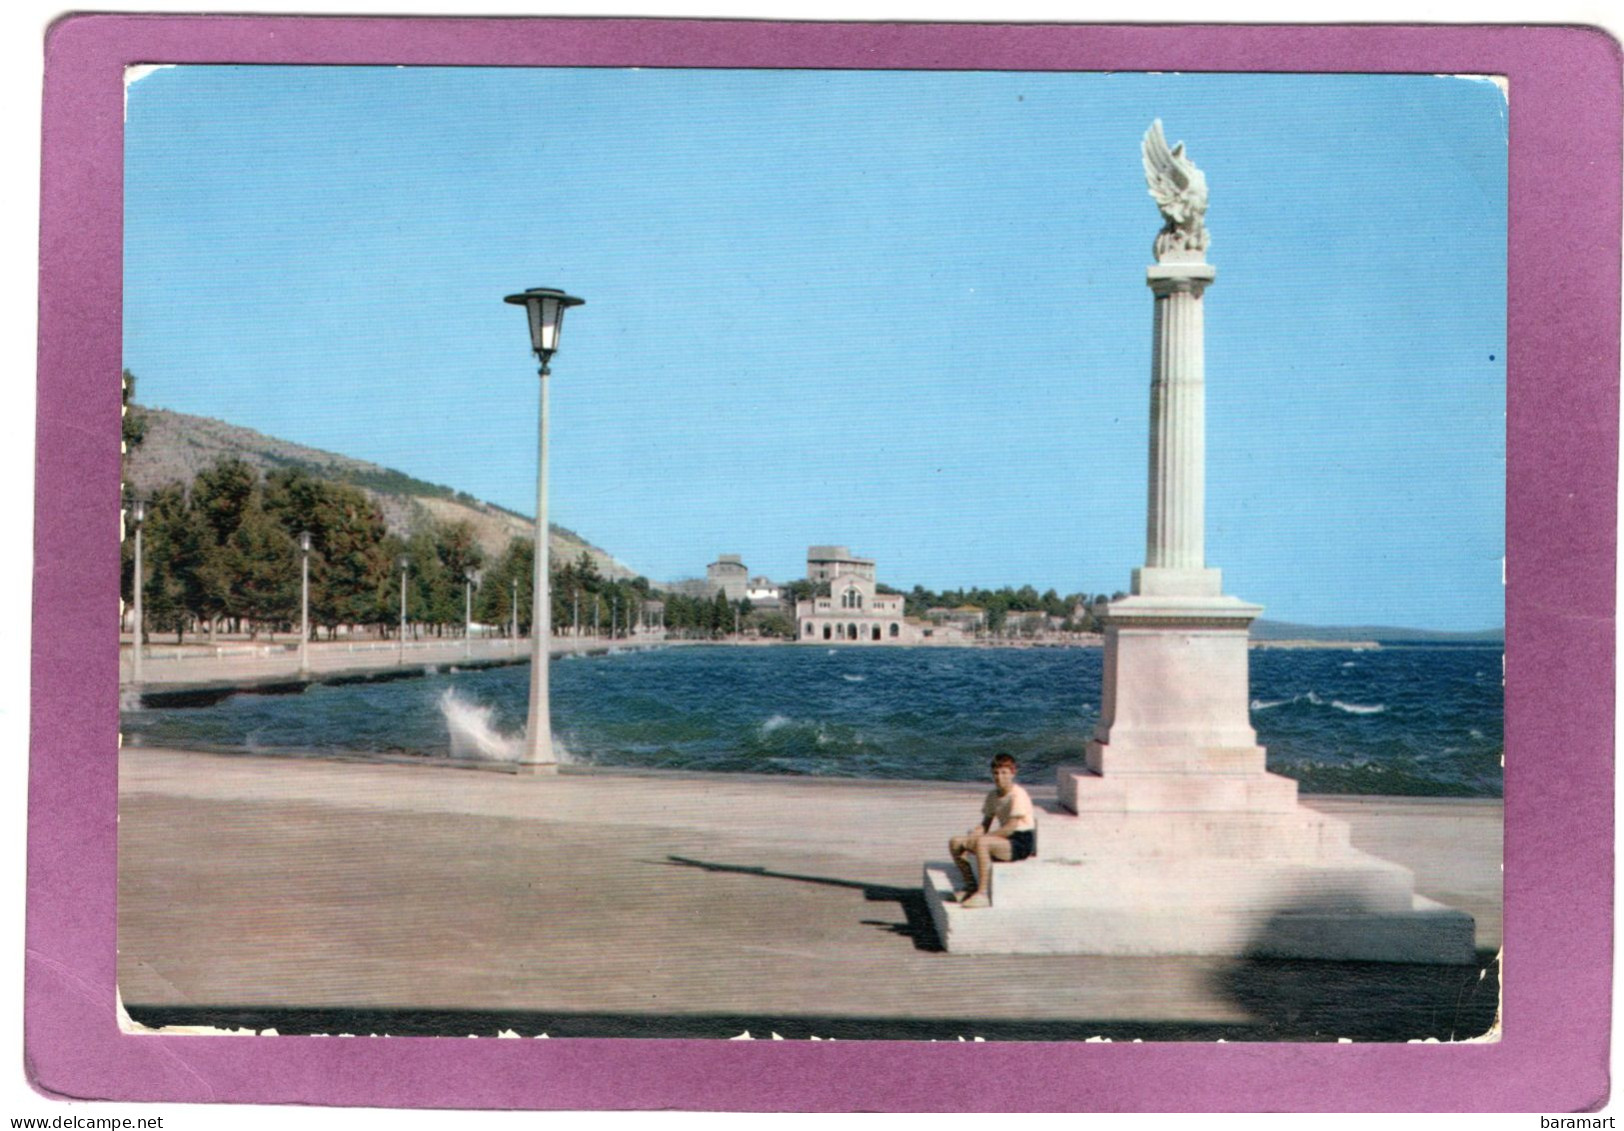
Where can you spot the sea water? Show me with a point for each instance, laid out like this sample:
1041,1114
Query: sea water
1398,720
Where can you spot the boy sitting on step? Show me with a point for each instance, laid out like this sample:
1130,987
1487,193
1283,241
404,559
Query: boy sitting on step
1011,807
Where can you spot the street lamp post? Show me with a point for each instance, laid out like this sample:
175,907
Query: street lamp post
138,518
575,619
545,308
470,579
514,612
304,602
405,565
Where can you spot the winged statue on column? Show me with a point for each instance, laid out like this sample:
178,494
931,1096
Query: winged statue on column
1180,191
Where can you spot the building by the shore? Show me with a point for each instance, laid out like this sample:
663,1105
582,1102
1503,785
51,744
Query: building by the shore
728,575
854,611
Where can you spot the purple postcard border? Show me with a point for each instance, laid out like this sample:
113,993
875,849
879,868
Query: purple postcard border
1563,365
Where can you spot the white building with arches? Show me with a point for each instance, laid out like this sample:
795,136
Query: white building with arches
855,611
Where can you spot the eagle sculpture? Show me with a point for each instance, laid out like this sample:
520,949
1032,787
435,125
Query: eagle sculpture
1180,191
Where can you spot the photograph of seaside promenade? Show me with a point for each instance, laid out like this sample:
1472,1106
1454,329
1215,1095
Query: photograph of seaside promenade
844,467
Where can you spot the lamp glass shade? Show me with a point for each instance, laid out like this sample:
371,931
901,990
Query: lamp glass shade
304,541
138,511
546,323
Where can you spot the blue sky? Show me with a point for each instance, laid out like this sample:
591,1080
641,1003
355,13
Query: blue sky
902,311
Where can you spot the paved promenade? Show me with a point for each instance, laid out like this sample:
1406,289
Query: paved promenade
324,896
241,662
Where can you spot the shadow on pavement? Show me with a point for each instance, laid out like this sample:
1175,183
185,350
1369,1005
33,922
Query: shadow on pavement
916,923
1299,999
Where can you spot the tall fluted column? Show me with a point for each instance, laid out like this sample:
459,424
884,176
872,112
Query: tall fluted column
1175,560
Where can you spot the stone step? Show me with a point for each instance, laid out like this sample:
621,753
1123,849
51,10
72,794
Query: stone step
1083,791
1352,882
1296,834
1124,756
1420,931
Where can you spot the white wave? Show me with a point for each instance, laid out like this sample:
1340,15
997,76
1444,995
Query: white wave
1358,708
777,722
1269,704
832,652
475,737
1349,664
853,678
1312,698
1475,733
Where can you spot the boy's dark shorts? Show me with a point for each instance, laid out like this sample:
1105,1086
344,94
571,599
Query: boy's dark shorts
1023,844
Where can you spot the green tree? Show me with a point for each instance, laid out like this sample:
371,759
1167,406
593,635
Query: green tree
351,567
222,494
134,426
178,553
262,562
429,588
493,603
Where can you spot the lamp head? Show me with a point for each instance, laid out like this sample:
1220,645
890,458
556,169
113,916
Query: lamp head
545,307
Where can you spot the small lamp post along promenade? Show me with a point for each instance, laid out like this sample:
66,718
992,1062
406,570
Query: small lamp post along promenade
304,602
471,579
514,612
545,308
405,565
138,518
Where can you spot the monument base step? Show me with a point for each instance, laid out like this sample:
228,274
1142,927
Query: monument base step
1084,791
1423,931
1299,833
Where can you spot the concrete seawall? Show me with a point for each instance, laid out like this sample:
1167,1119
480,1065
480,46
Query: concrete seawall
326,896
244,666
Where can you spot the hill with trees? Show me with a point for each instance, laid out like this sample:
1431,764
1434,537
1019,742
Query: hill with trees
167,448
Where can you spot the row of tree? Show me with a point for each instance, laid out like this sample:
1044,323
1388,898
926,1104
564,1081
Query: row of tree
223,552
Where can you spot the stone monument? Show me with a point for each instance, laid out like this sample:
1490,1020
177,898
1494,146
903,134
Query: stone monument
1173,837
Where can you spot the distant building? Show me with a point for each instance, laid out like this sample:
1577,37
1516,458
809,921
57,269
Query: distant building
1025,622
855,611
825,563
727,574
691,587
764,594
762,589
966,618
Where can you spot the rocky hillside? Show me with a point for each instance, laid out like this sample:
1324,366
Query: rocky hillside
176,447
